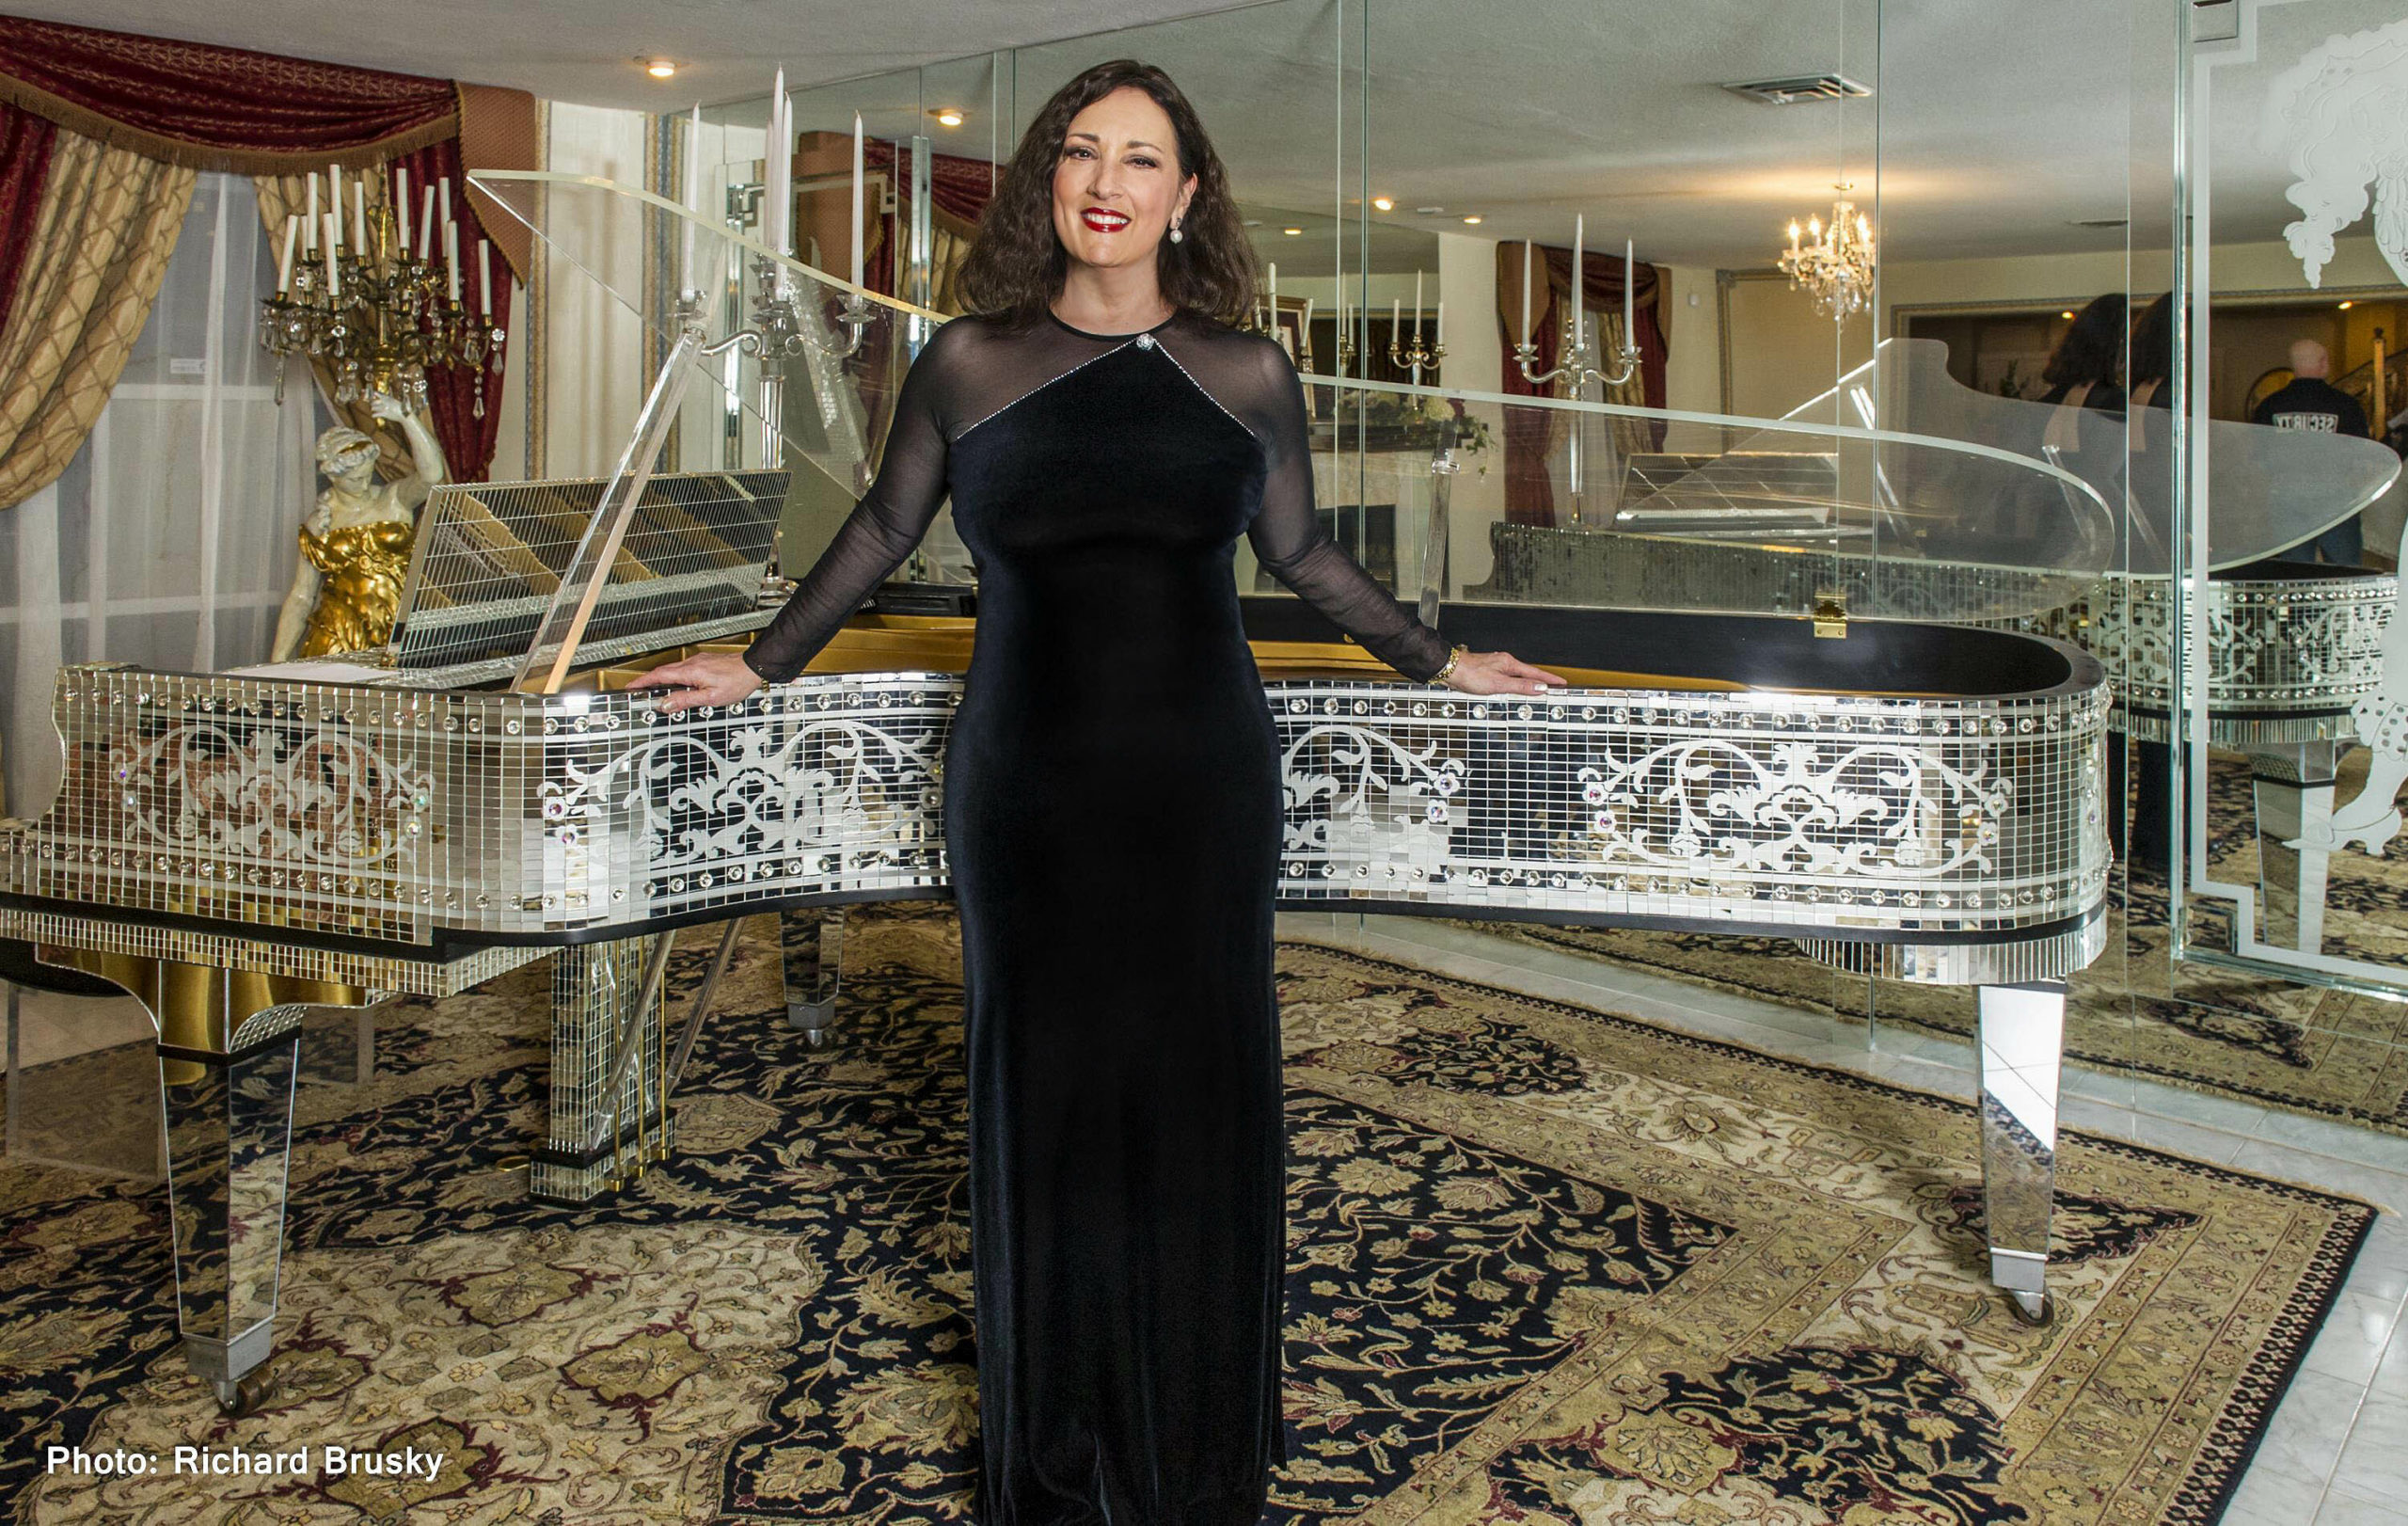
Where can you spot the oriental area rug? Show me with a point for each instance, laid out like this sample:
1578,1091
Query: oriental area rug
1544,1265
2327,1053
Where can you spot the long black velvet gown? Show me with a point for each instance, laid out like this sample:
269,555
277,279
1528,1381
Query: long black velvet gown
1113,816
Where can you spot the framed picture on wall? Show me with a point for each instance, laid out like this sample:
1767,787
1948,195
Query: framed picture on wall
1288,328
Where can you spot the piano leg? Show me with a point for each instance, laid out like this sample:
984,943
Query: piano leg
2293,785
229,1048
605,1120
2022,1045
812,943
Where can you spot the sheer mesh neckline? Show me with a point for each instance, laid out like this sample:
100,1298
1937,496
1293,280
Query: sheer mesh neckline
1086,333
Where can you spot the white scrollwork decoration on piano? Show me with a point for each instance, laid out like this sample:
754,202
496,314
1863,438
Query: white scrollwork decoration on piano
270,794
735,800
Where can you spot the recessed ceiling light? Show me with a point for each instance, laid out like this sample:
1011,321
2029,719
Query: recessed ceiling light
1292,233
2099,222
1385,204
1472,217
1254,222
2347,306
1429,211
659,68
949,116
2067,314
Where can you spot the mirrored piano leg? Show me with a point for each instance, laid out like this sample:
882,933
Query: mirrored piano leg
606,1122
228,1052
2022,1044
812,941
2293,785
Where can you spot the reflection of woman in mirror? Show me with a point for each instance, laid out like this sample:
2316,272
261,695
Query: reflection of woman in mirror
355,544
1112,799
2082,373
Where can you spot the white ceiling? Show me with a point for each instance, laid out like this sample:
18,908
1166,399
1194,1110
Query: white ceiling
1997,126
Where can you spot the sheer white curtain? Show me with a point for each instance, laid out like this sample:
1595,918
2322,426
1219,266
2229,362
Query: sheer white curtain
168,542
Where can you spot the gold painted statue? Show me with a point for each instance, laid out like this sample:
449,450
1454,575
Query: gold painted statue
355,544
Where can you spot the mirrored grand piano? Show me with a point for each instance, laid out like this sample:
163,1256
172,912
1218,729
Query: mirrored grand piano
1916,800
2295,644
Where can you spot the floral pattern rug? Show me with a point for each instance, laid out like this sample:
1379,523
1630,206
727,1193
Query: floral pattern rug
2328,1054
1544,1265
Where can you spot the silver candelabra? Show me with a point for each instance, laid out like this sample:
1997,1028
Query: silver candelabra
1410,353
1575,366
778,334
1575,369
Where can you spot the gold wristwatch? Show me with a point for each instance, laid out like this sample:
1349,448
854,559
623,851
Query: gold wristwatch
1452,658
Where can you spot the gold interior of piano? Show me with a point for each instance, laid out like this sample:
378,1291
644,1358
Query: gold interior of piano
941,643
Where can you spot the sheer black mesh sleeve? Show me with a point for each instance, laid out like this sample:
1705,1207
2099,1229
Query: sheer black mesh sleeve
1288,540
881,531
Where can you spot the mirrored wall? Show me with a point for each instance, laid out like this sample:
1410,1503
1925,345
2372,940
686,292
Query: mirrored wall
1985,218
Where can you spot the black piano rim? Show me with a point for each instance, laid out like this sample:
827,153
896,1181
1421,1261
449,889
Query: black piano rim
452,944
1875,657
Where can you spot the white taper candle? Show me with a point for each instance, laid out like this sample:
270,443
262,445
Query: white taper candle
402,211
451,258
334,246
1580,239
855,270
690,196
1526,291
284,266
1629,285
484,277
426,222
333,194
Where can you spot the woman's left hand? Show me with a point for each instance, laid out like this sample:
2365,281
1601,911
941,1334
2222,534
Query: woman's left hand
1501,673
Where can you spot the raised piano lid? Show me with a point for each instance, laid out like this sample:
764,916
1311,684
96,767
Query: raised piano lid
1814,501
735,391
2268,489
490,556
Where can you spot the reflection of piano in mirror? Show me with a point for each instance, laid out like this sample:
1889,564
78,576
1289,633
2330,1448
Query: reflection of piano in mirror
2294,644
1918,801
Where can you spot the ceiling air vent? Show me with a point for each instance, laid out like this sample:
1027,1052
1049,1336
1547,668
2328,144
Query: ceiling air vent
1800,89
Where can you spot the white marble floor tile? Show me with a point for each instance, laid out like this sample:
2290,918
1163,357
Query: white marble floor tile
2355,1337
2374,1459
2306,1436
2196,1140
2381,1188
2341,1508
2267,1497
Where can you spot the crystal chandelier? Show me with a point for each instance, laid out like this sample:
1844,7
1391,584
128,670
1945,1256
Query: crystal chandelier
1835,264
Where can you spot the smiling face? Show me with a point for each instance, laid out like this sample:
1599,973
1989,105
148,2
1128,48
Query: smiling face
1116,185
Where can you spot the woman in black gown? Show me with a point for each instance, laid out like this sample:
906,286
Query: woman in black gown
1112,800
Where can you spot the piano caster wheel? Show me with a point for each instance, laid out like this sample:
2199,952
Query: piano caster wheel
240,1398
2036,1309
817,1037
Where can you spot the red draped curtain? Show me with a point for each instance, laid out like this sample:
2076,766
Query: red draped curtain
1532,435
959,188
237,111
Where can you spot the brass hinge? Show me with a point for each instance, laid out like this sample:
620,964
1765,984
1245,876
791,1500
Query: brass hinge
1831,613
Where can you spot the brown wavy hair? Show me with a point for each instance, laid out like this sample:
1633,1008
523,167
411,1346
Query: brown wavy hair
1016,264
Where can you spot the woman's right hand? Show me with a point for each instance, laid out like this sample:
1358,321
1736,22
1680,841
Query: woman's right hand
706,679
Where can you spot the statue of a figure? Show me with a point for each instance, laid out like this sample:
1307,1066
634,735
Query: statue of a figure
355,544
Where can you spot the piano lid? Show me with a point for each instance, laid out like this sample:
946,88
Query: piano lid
490,556
2268,489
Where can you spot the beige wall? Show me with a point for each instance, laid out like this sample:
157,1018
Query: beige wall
1693,364
1781,353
